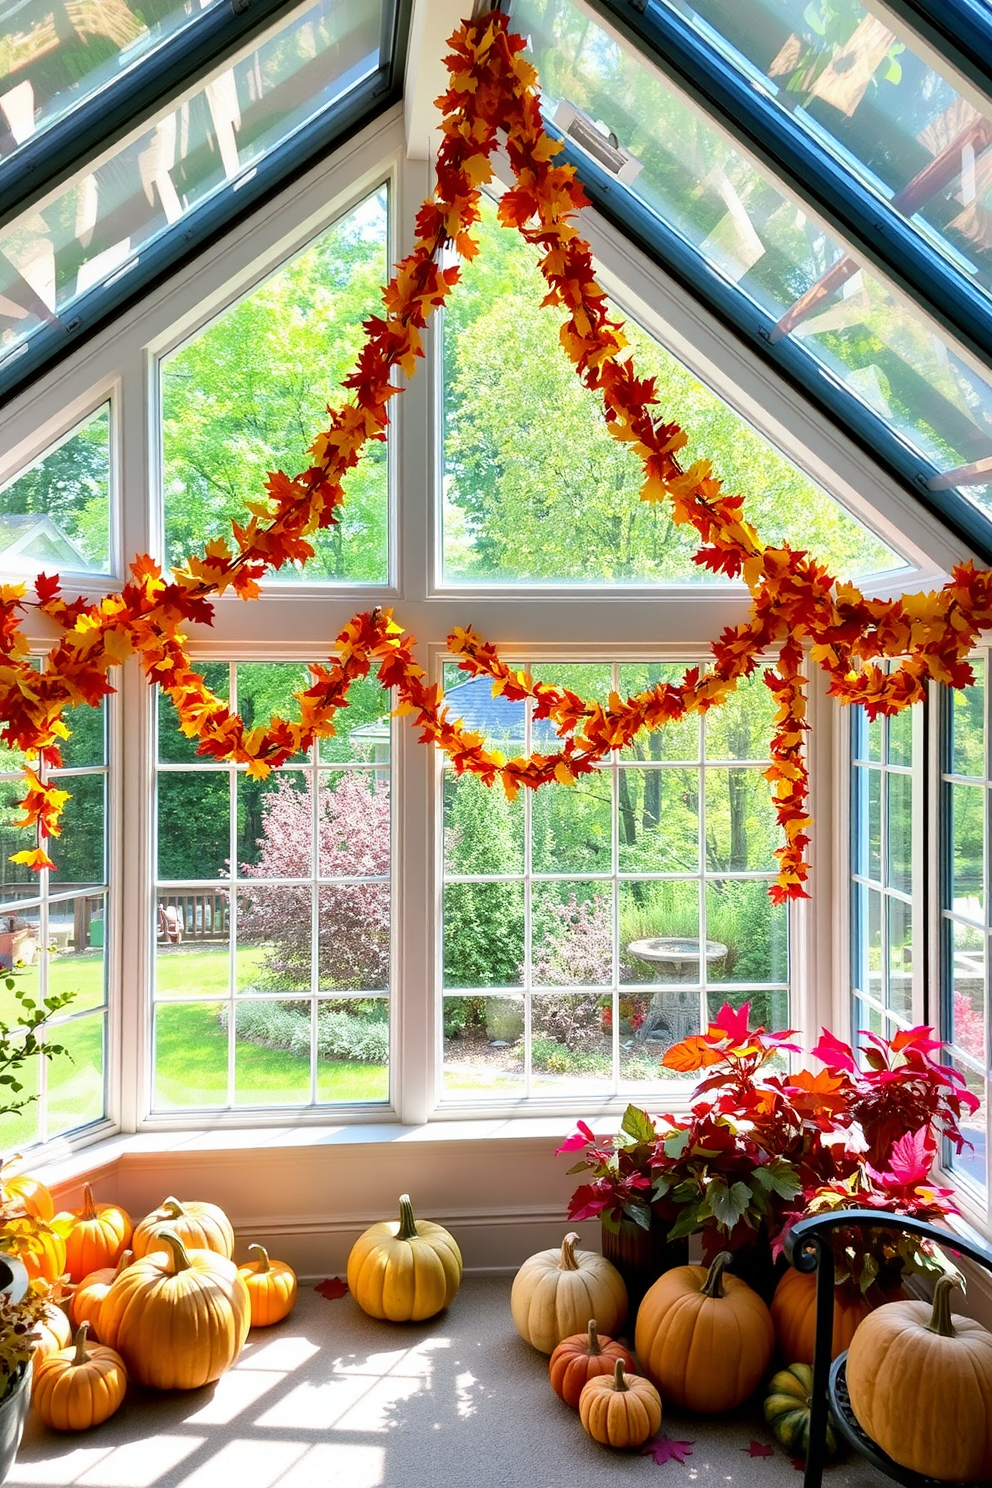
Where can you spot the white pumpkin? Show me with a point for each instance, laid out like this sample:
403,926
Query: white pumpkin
556,1292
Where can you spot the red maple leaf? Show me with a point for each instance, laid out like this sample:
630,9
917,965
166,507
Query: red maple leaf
758,1449
332,1288
666,1449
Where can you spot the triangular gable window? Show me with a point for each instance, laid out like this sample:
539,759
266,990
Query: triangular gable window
56,514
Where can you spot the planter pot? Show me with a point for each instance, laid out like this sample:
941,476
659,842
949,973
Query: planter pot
13,1411
753,1263
641,1256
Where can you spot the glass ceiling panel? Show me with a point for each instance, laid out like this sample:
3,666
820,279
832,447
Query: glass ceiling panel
54,54
93,230
836,69
738,218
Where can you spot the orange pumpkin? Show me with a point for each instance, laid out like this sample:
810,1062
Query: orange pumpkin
794,1316
920,1383
581,1358
47,1262
79,1386
87,1299
620,1410
28,1193
178,1318
706,1339
98,1236
200,1226
271,1287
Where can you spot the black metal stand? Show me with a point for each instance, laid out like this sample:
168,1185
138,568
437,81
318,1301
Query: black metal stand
807,1247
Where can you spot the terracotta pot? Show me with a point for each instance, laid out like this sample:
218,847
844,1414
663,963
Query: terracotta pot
641,1256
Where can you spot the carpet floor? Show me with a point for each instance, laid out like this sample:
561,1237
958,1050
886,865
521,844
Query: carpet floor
330,1397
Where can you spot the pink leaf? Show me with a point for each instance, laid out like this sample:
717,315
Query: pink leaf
834,1053
577,1140
758,1449
665,1449
332,1288
733,1022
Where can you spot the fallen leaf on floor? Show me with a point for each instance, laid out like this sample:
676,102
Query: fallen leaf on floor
666,1449
758,1449
332,1288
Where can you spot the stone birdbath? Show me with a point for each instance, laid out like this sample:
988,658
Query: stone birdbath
674,1011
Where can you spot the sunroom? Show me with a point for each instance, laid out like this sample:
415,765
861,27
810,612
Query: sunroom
303,968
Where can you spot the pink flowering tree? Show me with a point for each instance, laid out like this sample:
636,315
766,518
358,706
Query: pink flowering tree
353,918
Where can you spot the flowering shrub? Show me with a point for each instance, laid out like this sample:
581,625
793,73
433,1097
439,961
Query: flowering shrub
353,925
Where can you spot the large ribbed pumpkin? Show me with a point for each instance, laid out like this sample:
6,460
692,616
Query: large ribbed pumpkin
98,1236
79,1387
920,1383
556,1292
87,1299
620,1411
200,1226
178,1318
404,1270
705,1338
794,1316
582,1357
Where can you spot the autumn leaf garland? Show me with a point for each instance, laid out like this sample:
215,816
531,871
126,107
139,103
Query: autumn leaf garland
795,602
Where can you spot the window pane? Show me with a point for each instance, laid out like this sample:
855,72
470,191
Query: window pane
353,1050
190,1055
354,825
867,823
900,939
98,224
741,916
55,515
968,726
275,825
674,741
659,821
900,732
75,1083
353,937
274,939
900,831
483,1047
272,1053
867,941
78,931
966,810
657,911
79,852
572,935
483,831
192,956
522,508
246,395
969,1008
741,831
972,1163
363,726
21,1129
87,745
769,1009
741,728
572,1050
202,798
173,746
483,935
572,827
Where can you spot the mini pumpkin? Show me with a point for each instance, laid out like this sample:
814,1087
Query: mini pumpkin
271,1287
98,1236
620,1410
556,1292
787,1409
405,1270
582,1357
79,1386
705,1338
199,1225
177,1317
87,1299
920,1384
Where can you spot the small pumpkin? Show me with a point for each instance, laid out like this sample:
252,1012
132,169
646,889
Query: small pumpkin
556,1292
582,1357
199,1225
87,1299
787,1410
620,1410
53,1329
704,1338
98,1236
29,1193
177,1317
405,1270
271,1287
793,1312
46,1260
79,1387
920,1383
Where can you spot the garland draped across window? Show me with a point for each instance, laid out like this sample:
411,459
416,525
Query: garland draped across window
491,98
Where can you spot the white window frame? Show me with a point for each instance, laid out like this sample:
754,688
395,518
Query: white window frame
298,622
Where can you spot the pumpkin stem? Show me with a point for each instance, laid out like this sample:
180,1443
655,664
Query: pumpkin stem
408,1224
940,1318
127,1256
594,1346
263,1264
713,1285
619,1383
568,1261
180,1256
172,1207
79,1339
89,1207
